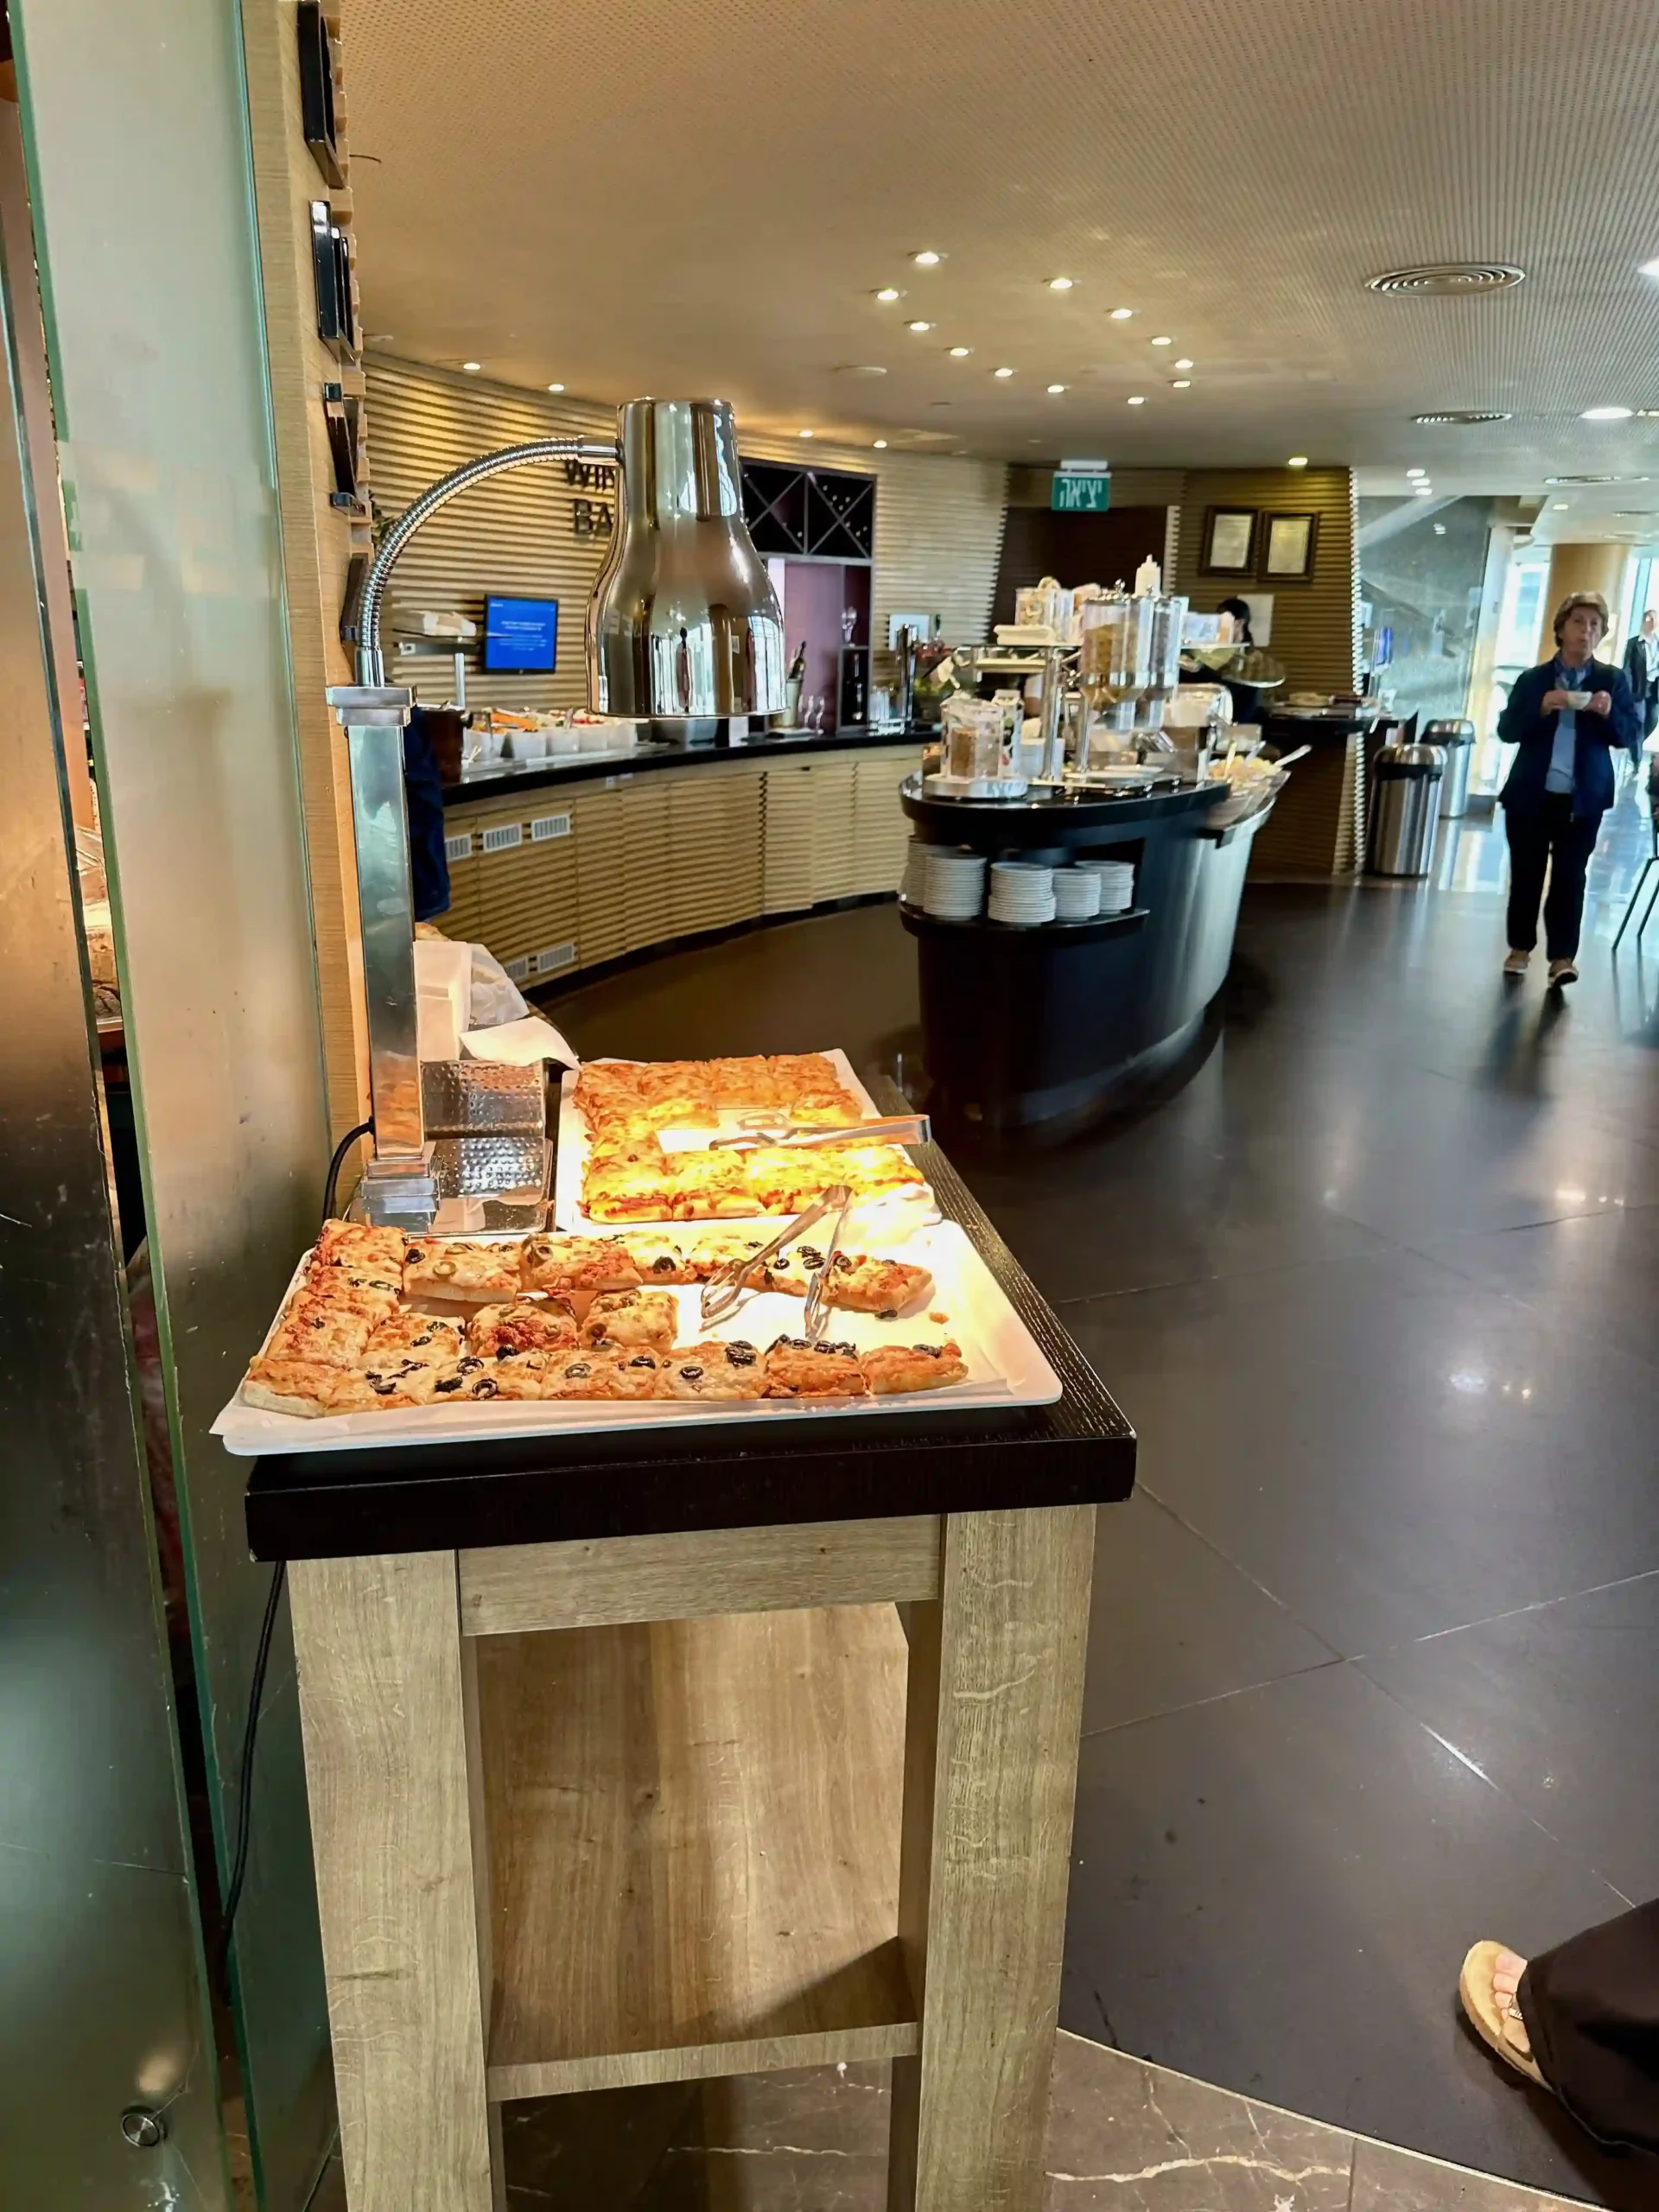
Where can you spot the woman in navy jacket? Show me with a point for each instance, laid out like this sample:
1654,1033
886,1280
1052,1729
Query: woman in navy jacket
1563,718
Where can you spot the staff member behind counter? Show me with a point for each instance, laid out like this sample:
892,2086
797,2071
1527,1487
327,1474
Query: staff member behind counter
1563,718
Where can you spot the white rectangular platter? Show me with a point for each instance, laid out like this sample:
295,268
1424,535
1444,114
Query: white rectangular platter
874,1221
1006,1368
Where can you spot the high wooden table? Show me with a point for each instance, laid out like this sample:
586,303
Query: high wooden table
699,1752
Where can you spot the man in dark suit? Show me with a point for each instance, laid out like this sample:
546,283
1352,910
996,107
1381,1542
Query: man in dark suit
1642,666
1563,718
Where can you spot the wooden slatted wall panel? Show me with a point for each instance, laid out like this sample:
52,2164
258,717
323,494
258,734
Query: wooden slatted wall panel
1315,625
514,534
938,523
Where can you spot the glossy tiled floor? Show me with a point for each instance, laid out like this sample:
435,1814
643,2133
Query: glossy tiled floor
1375,1663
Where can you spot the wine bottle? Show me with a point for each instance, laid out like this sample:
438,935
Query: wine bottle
798,666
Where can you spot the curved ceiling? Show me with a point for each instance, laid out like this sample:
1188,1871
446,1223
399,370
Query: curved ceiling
664,196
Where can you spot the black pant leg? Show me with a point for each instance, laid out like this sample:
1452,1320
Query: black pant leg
1591,2010
1571,842
1529,837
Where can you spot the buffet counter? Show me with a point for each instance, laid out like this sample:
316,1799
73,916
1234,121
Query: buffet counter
557,865
1034,1031
623,1768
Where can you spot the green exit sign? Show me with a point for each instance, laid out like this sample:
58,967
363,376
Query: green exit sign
1074,493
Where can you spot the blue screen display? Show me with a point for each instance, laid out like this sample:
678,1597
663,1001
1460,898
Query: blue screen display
521,635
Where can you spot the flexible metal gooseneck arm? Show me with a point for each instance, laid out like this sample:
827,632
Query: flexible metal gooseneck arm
371,664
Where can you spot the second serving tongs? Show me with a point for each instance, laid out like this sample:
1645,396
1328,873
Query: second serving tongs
892,1129
724,1289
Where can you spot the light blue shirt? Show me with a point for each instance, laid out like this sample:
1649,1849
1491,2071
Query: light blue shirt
1563,760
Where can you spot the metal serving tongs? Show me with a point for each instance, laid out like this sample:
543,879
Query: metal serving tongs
817,1290
893,1128
724,1289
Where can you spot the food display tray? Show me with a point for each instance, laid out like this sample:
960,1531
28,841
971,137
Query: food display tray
1006,1368
872,1222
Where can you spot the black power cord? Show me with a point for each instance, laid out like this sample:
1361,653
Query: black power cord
363,1129
262,1660
245,1795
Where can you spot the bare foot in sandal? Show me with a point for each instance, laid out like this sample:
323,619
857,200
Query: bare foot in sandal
1487,1986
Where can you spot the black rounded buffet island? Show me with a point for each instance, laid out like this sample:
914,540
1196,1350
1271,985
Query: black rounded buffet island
1032,1033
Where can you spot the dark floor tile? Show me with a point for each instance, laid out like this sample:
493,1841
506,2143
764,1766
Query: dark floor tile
1556,1705
1387,2180
1598,1276
846,979
1174,1623
1272,1892
1126,2137
1388,1448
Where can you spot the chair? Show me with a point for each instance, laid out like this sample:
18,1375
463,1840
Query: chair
1648,865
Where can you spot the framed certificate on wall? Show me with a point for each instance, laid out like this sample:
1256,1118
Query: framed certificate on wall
1228,546
1289,548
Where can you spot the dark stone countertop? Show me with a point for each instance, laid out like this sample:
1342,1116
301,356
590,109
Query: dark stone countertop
499,779
1051,818
730,1475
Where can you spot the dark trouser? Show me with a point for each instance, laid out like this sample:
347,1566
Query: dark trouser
1591,2010
1551,837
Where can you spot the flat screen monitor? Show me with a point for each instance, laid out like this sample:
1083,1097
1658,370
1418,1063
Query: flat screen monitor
521,635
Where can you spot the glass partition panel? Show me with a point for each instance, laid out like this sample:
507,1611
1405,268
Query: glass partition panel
135,122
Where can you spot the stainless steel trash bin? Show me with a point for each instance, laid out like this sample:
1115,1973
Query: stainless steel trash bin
1457,738
1405,805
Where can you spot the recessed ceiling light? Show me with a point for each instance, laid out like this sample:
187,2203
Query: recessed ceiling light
1056,387
1061,283
1184,363
880,445
888,294
1163,341
1559,505
1138,400
556,387
1297,460
1416,471
1424,491
1649,268
1607,414
806,433
471,367
1002,373
918,325
1121,314
927,258
1182,383
960,352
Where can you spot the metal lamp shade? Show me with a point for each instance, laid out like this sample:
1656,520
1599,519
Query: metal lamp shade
684,621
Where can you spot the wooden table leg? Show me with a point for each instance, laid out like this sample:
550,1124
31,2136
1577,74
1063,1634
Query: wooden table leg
992,1714
377,1642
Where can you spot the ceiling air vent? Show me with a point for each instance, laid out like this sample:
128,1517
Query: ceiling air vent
1447,279
1465,415
1596,480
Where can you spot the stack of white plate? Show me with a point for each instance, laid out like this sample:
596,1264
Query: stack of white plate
1077,894
953,883
913,884
1117,883
1021,892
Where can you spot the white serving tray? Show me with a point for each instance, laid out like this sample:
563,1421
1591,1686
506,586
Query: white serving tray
872,1223
1006,1368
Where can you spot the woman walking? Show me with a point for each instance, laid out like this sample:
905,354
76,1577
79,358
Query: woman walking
1563,718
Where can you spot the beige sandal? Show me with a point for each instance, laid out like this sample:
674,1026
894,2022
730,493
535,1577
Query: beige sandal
1495,2022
